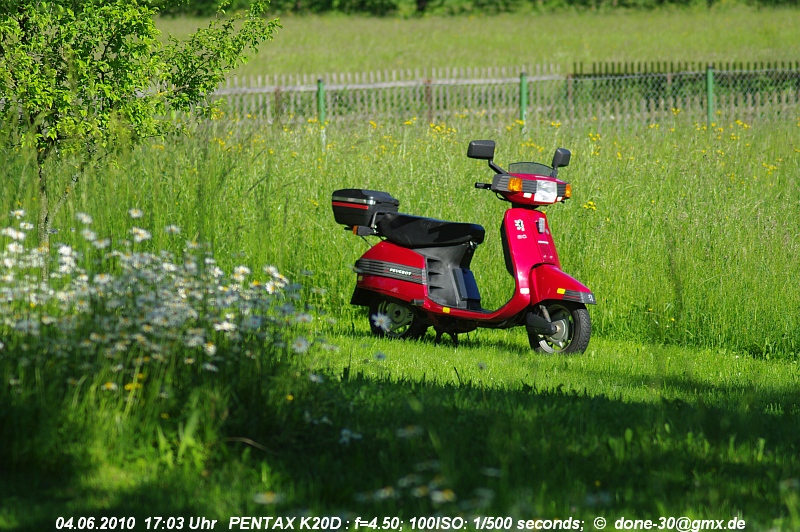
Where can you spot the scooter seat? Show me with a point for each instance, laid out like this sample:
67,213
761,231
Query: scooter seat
417,231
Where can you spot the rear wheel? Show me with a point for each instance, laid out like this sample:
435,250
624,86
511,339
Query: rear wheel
393,319
574,328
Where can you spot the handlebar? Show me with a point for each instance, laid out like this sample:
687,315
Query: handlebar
486,186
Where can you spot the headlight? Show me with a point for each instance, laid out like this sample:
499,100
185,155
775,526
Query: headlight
546,192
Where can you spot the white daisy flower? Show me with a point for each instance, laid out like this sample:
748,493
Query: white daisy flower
382,321
15,247
193,341
140,235
304,318
225,326
300,345
102,279
13,233
347,435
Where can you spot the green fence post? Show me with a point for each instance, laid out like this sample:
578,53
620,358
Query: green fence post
321,102
710,94
321,113
523,97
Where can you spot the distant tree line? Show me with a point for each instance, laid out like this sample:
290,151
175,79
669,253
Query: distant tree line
446,7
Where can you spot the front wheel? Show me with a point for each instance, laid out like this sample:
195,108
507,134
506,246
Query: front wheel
574,328
395,320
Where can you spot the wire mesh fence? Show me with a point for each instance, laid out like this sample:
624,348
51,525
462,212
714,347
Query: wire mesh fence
614,94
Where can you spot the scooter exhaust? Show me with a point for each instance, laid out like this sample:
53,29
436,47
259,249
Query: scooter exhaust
537,324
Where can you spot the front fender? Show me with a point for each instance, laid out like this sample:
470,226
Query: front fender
549,282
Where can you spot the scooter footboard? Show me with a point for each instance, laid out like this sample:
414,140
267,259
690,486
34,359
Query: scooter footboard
549,282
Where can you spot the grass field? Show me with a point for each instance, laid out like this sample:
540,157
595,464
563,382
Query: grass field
685,403
625,430
317,45
687,238
194,352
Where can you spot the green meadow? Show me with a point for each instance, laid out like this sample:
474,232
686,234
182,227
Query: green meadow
326,44
684,404
193,351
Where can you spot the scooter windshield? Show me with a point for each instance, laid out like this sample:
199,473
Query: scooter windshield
530,168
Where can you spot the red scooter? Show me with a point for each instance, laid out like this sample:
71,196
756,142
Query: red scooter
418,275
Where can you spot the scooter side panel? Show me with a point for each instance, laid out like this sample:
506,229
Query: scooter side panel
529,242
392,270
549,282
529,239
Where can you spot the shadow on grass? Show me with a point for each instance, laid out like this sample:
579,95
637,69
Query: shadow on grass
35,502
537,452
415,448
48,469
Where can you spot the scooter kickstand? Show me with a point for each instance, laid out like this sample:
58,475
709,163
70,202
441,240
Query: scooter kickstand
439,335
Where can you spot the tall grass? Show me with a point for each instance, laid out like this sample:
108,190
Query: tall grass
685,235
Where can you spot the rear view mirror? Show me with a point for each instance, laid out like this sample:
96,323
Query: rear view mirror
481,149
561,158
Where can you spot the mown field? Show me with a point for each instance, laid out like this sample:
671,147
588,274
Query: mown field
325,44
157,381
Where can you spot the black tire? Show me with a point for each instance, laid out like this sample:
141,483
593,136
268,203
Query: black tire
402,321
575,329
